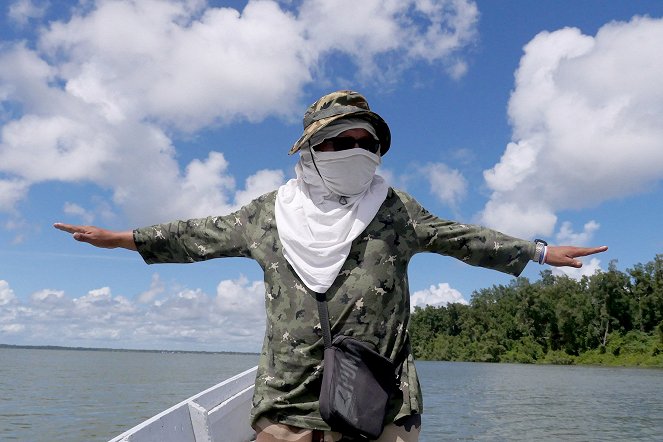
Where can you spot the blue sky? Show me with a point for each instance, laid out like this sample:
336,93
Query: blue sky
540,119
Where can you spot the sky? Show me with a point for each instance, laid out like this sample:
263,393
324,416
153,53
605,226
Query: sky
538,119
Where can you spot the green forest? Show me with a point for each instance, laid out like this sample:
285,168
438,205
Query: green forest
612,317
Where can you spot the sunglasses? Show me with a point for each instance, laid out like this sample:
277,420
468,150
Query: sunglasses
344,143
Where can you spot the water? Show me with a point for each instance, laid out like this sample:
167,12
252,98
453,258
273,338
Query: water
504,402
71,396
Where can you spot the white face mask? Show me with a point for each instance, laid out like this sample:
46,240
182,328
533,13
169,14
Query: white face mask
347,172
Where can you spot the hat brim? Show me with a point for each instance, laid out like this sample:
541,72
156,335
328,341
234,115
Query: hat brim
381,129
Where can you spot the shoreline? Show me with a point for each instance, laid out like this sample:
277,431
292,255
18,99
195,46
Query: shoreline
59,347
596,360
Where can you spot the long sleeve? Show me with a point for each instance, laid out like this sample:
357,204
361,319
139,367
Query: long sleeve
197,239
472,244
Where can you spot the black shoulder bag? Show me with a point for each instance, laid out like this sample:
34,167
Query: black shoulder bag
357,382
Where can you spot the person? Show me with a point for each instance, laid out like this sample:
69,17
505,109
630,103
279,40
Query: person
337,229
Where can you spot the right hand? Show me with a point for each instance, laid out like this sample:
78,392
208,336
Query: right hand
107,239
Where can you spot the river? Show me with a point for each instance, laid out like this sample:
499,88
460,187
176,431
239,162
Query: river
71,396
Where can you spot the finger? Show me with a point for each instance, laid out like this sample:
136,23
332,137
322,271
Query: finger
69,228
585,251
79,236
575,263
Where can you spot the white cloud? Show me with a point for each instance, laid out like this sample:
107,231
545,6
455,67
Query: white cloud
439,295
157,287
448,185
587,269
162,317
586,124
241,304
205,182
19,228
6,293
451,24
40,148
12,329
383,37
103,90
257,184
21,11
185,67
519,218
47,296
458,70
205,188
395,179
566,235
74,209
11,192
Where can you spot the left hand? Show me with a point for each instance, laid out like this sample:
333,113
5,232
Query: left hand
561,256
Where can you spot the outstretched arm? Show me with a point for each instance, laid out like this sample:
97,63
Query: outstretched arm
98,237
564,256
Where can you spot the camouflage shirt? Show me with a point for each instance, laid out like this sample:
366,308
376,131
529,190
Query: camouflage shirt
369,299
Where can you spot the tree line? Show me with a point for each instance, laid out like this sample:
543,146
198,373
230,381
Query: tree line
613,317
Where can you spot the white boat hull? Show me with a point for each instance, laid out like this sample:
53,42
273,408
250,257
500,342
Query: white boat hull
218,414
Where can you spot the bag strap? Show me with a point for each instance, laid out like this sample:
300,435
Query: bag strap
402,355
323,312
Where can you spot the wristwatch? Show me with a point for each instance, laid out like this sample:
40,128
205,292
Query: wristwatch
540,250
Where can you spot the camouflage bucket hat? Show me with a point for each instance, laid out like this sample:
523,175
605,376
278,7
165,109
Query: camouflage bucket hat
337,105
